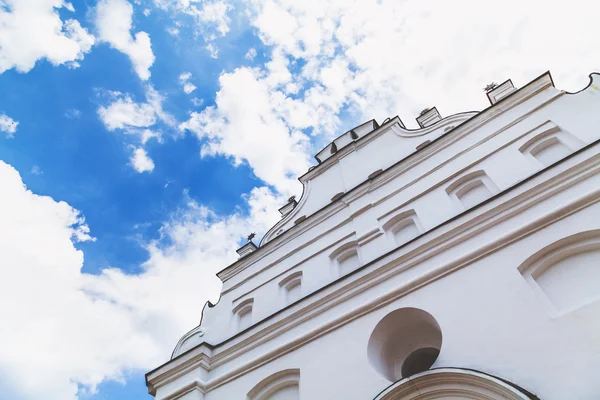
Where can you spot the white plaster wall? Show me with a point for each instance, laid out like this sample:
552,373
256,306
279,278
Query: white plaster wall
491,319
421,188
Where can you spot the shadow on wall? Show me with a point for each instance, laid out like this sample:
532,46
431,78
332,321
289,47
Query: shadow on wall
405,342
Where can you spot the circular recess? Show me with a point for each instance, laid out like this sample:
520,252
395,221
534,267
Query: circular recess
405,342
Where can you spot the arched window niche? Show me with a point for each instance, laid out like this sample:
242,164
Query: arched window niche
565,275
243,314
346,258
454,383
471,189
403,227
291,286
405,342
549,144
283,385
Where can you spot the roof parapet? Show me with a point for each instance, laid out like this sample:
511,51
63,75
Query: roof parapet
345,139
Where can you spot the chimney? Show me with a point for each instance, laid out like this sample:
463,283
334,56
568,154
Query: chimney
496,92
428,117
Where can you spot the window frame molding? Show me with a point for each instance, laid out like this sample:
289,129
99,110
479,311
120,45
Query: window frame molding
537,264
273,383
429,385
395,224
292,280
462,185
343,252
244,307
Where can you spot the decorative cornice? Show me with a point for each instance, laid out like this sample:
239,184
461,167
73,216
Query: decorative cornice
269,244
453,232
454,382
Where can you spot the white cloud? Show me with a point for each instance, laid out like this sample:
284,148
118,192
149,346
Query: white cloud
173,31
123,112
140,161
380,58
148,134
97,327
184,79
31,30
139,120
188,88
197,102
69,6
375,59
254,124
211,18
215,13
114,23
213,51
250,54
73,113
8,125
36,170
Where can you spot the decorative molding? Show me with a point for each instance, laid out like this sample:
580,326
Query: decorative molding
458,230
274,383
292,286
244,304
199,331
291,277
538,265
293,267
465,128
467,183
453,383
400,222
545,136
195,386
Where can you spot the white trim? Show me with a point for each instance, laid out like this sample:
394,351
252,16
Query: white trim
538,263
524,94
456,383
461,186
563,177
270,385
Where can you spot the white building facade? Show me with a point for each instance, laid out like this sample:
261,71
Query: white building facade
460,260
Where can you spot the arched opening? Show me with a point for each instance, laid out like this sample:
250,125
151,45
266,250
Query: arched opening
473,193
454,384
405,342
243,314
292,287
283,385
348,261
550,150
403,227
471,189
565,274
550,144
346,258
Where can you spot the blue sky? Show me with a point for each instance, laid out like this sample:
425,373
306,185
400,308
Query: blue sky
140,141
